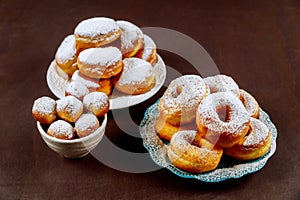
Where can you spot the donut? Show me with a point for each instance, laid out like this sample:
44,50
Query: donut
131,38
180,101
189,152
137,77
255,144
100,62
86,124
165,130
250,103
222,119
44,110
94,32
93,84
61,130
148,52
65,56
222,83
69,108
97,103
76,89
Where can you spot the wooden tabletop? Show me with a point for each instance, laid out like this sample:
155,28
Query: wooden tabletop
255,42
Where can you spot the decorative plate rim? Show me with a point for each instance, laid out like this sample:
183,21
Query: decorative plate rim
158,151
57,81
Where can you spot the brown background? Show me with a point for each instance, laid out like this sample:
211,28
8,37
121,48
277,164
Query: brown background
256,42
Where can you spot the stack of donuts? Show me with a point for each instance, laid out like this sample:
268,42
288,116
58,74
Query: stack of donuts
103,53
71,117
204,118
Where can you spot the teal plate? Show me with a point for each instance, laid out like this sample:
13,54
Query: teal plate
227,168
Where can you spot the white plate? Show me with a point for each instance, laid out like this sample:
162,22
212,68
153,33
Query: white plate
57,81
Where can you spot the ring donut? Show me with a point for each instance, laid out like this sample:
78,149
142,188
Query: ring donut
180,101
222,119
222,83
254,145
189,152
250,103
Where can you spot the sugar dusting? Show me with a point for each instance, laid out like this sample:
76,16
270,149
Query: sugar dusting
61,127
67,49
96,26
249,102
135,71
87,122
69,104
208,116
129,35
44,105
259,132
222,83
88,82
192,92
98,100
149,47
100,56
77,89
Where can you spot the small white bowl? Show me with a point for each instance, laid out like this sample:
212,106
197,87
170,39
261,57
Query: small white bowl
75,148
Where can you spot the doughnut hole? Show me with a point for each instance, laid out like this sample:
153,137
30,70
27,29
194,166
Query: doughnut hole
223,113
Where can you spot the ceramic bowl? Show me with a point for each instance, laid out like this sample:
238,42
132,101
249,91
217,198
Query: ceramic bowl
74,148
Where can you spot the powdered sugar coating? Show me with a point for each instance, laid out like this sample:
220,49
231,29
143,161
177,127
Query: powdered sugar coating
183,94
70,106
129,36
96,26
90,83
100,56
87,123
149,47
77,89
135,71
249,102
67,50
222,83
207,113
61,129
44,105
258,133
96,102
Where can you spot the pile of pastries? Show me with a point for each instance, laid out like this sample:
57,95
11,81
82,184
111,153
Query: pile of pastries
103,53
204,118
70,117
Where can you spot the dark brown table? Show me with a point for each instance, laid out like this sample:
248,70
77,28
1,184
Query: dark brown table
255,42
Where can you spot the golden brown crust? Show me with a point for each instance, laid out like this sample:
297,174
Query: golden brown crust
166,130
44,110
192,153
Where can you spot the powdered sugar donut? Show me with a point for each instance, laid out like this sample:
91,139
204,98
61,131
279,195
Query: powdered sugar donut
100,62
222,119
131,38
192,153
86,124
61,129
97,103
222,83
148,52
69,108
65,56
250,103
76,89
180,101
44,110
95,32
254,145
93,84
137,77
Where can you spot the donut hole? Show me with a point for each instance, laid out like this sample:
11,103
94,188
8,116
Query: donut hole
223,113
177,92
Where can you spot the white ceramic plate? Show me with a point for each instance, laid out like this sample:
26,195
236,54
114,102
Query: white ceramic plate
57,81
227,168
